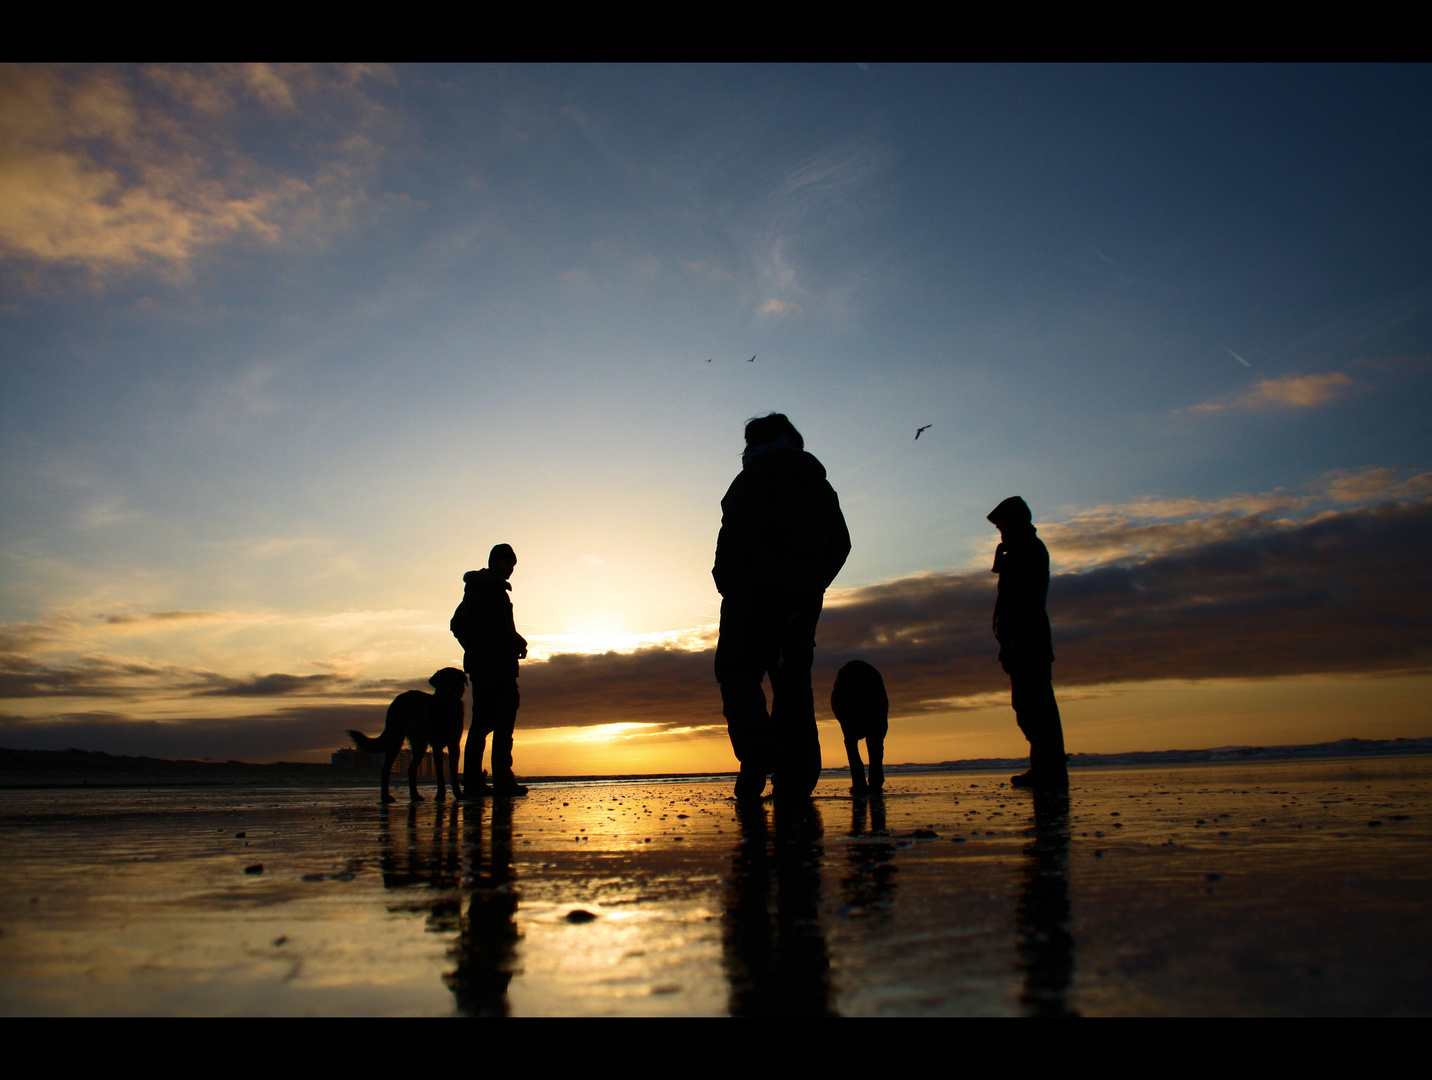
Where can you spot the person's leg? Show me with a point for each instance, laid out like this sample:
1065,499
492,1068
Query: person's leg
506,701
741,662
483,712
798,758
1047,748
1037,713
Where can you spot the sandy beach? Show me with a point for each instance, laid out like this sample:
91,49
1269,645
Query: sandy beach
1296,888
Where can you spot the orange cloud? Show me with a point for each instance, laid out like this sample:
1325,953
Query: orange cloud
109,168
1288,392
779,307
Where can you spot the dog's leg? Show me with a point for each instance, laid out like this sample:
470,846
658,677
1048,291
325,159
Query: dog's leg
419,749
438,768
877,763
857,768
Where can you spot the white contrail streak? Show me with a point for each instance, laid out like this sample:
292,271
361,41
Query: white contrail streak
1235,356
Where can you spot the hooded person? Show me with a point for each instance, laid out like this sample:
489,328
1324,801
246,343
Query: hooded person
1026,648
484,626
782,541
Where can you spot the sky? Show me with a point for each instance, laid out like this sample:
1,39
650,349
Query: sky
284,350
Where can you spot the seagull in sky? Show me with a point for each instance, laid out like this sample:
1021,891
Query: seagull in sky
918,430
752,360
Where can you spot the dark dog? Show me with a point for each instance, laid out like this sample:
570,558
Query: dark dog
860,704
422,718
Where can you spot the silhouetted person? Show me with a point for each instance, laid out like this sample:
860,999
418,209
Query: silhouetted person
783,539
777,966
491,649
1026,650
859,702
1046,946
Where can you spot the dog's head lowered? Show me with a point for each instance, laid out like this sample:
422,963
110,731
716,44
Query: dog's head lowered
449,680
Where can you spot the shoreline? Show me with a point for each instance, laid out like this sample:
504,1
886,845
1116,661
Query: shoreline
85,769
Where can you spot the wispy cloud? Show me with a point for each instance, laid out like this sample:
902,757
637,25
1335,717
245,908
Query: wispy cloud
1287,392
110,168
126,619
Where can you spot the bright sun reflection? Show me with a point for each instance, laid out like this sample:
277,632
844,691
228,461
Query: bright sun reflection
691,639
608,732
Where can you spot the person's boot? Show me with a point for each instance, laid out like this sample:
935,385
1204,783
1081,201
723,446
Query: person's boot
798,765
750,782
507,785
1048,768
476,787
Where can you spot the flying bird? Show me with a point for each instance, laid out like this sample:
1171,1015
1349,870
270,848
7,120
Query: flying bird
752,360
918,430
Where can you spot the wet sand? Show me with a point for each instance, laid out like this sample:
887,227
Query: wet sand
1300,888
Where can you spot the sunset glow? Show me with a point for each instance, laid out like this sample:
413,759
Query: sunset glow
287,349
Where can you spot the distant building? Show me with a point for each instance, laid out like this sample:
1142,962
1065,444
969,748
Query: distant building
351,758
425,767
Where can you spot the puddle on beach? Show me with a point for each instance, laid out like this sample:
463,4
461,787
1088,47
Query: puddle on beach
1286,889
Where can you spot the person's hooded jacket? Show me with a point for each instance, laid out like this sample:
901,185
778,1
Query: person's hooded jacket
483,625
781,527
1021,623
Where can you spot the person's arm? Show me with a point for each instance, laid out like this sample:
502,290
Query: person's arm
736,540
838,540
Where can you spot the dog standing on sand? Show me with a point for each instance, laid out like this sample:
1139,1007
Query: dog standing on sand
422,719
863,709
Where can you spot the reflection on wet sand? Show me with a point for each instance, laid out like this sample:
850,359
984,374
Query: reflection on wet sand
776,966
1292,889
869,884
1045,945
486,947
486,936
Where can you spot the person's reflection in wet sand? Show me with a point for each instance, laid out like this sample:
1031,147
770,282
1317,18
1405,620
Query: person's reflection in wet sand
777,967
869,885
1046,946
486,948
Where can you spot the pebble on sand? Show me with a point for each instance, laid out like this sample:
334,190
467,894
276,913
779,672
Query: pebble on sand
257,868
579,915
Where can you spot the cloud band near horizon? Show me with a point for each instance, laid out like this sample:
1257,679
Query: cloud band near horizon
1341,593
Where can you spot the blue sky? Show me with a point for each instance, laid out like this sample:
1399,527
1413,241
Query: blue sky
289,348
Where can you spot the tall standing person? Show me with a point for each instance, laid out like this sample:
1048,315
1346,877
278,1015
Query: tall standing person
484,626
783,539
1026,648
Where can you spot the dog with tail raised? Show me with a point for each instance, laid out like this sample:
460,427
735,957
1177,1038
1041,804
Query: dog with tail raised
421,719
